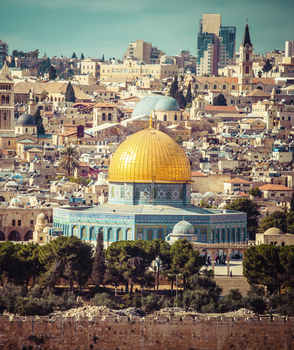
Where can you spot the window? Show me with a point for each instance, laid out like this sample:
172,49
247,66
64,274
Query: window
120,234
176,117
246,69
13,223
32,223
19,223
149,235
224,87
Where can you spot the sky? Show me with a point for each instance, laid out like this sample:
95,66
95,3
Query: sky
106,27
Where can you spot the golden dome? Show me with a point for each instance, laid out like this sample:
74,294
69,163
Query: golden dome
149,155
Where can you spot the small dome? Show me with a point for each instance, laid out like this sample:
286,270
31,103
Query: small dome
167,103
11,184
14,200
146,105
273,231
183,228
46,229
26,119
41,219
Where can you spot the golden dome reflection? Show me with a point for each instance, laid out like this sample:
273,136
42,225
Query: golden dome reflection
149,155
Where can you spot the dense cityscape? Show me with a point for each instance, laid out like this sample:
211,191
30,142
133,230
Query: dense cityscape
148,195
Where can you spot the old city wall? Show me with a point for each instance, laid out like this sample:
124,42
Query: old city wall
125,333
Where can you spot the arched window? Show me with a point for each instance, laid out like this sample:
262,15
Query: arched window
232,235
233,87
28,236
165,118
109,116
103,116
3,99
227,235
140,234
247,56
7,99
238,235
2,236
55,99
212,236
223,235
246,69
92,234
176,117
149,235
217,238
129,234
75,231
4,116
110,234
83,232
160,234
14,236
120,234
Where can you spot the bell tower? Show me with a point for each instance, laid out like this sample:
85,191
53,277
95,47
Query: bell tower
6,100
245,64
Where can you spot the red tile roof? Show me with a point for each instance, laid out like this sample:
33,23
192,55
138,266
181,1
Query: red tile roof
237,181
270,187
221,108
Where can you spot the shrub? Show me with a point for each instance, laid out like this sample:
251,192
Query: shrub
256,303
9,296
104,299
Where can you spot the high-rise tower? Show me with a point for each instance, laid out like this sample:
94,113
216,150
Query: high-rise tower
245,63
215,46
6,101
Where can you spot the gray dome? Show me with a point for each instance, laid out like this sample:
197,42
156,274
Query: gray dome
146,105
183,228
273,231
167,103
26,119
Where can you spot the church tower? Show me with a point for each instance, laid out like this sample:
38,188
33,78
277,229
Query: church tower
32,105
245,64
6,101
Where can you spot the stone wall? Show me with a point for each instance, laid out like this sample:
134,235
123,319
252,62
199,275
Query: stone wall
161,333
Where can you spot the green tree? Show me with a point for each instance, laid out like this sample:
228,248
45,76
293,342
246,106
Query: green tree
74,55
292,203
69,159
287,261
162,257
179,139
39,122
185,260
188,97
70,94
267,67
9,264
52,73
99,267
180,99
103,59
252,209
12,63
82,56
220,100
255,192
174,87
276,219
66,257
261,265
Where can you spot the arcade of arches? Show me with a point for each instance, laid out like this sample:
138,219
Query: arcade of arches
213,248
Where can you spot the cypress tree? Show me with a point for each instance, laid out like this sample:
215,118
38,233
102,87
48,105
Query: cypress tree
39,122
70,94
82,56
99,267
220,100
52,73
188,97
180,98
103,60
174,87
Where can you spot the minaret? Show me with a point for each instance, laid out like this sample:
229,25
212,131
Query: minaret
245,64
32,105
6,100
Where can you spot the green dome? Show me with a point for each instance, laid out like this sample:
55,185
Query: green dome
146,105
26,119
183,228
167,103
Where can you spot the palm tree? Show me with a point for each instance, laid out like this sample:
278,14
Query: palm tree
69,159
